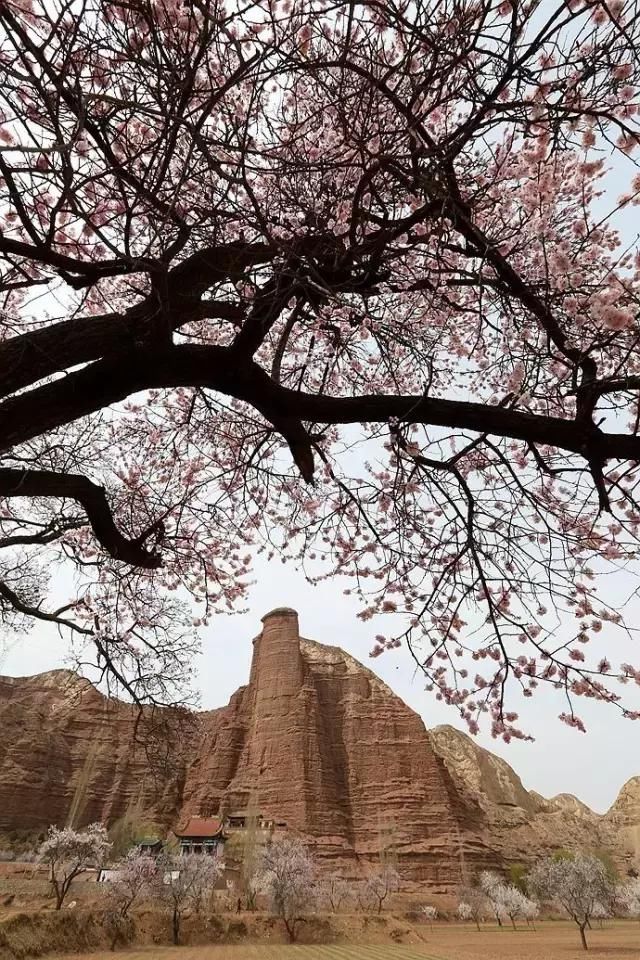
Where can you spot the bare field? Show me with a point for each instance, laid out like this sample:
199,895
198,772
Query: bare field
551,941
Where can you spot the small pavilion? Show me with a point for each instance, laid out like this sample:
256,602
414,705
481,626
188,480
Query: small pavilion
149,846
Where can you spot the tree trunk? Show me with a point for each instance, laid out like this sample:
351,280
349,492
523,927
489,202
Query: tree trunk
61,892
477,924
176,926
585,945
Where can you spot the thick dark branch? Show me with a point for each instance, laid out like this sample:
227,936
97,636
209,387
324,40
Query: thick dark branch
616,385
45,483
109,381
32,356
268,305
90,270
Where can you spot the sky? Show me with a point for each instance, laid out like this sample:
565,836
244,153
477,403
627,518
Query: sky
592,765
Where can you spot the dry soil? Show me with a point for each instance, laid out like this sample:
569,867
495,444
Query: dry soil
551,941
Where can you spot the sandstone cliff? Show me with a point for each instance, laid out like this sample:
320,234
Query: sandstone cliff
68,754
521,824
623,819
318,742
314,741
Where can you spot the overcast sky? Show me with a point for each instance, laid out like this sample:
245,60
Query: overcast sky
593,766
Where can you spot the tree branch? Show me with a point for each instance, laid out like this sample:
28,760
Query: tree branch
44,483
217,368
36,612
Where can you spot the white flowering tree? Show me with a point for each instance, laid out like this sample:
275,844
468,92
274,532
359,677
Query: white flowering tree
134,877
185,882
492,885
581,884
333,893
68,852
628,898
287,877
507,900
516,906
472,905
429,914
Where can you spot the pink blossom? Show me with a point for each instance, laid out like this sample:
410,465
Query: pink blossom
623,71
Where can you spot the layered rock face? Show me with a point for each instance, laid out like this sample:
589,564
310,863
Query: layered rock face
522,825
622,820
314,741
68,754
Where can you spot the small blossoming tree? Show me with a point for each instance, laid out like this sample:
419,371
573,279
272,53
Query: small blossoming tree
68,852
134,878
333,892
627,898
472,905
186,881
380,884
429,914
507,901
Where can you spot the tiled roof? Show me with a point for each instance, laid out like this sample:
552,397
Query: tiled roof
200,827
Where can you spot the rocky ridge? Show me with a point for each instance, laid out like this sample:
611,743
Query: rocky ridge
314,741
523,825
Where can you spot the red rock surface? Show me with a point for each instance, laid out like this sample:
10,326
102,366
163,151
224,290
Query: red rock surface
318,742
315,741
523,826
69,754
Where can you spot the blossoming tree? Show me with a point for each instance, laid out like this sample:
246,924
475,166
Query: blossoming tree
628,897
67,852
472,905
506,900
135,877
239,242
287,877
580,883
185,881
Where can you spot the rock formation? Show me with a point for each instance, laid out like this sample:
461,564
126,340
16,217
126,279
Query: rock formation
623,820
318,742
70,755
520,824
314,741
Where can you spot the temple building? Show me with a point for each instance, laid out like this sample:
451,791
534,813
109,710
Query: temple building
201,835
